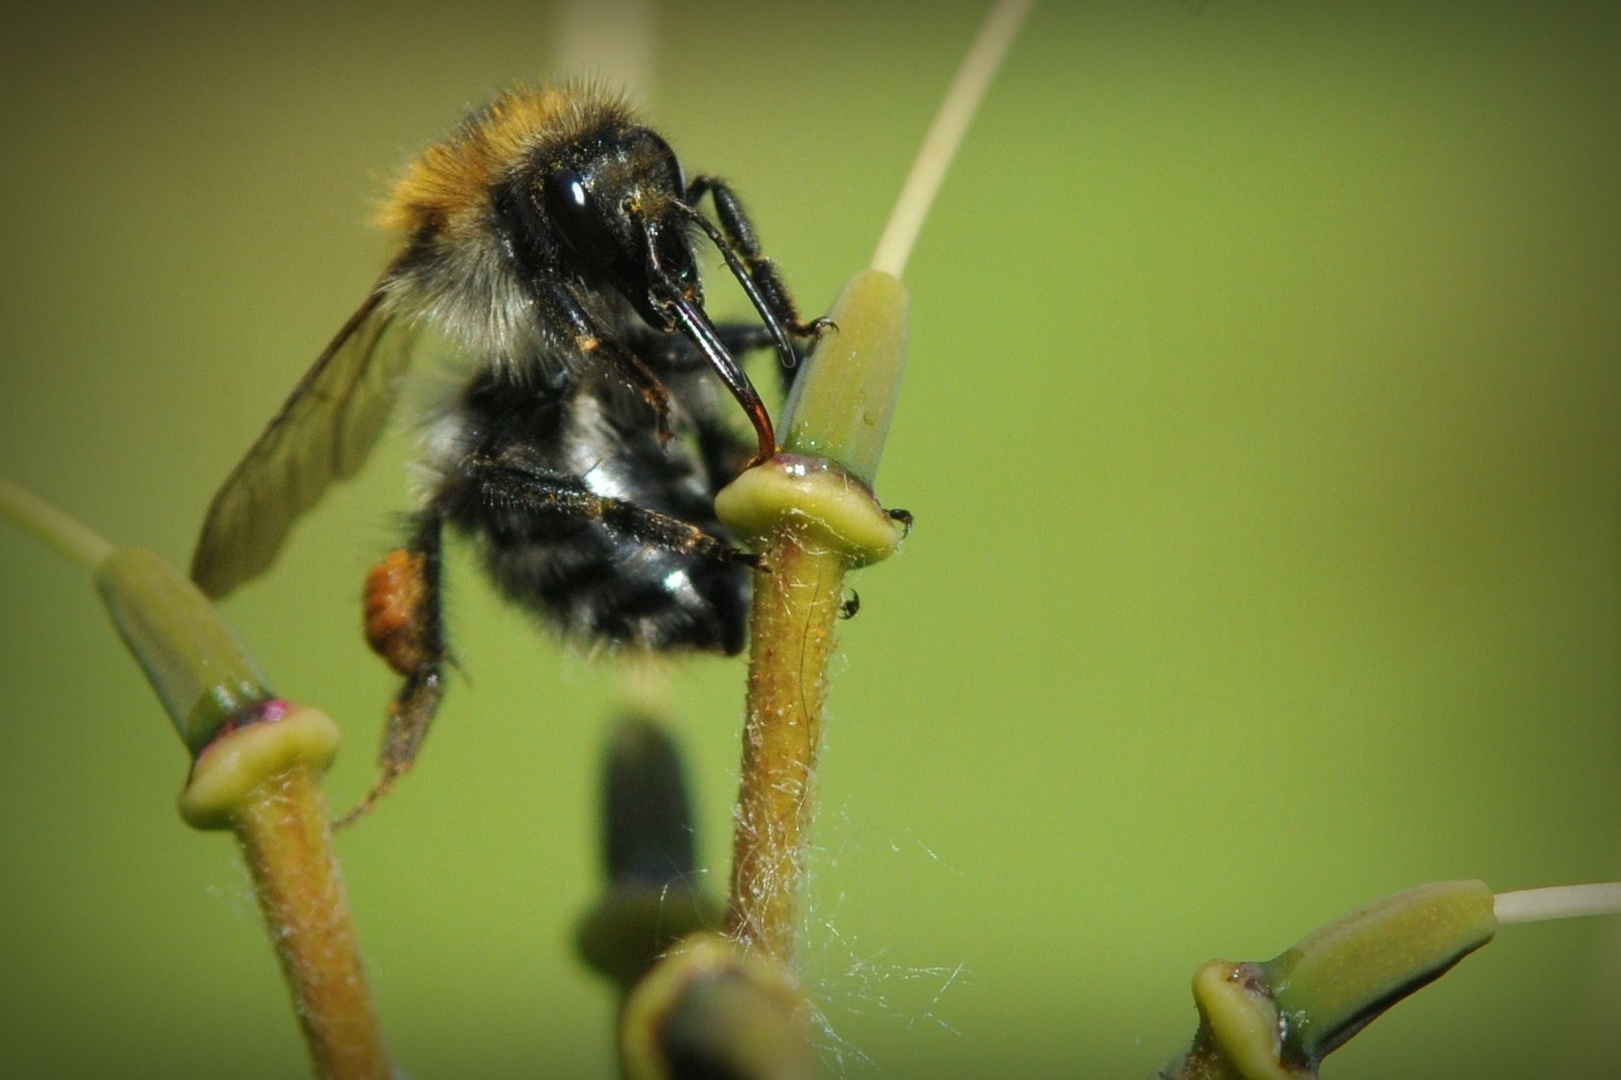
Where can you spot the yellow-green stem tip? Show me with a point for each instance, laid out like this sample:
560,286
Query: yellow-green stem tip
232,768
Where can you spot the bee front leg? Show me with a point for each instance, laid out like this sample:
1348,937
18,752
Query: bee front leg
676,354
594,341
739,231
405,626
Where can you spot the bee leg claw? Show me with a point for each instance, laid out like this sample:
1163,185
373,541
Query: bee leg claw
815,328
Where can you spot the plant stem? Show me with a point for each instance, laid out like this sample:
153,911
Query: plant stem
66,534
209,684
812,513
714,1009
1277,1020
286,842
795,606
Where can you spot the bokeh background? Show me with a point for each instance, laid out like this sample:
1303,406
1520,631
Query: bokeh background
1263,429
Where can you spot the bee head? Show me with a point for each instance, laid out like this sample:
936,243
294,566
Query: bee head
615,208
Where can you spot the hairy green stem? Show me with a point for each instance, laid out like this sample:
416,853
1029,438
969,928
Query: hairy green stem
286,842
811,512
256,767
796,604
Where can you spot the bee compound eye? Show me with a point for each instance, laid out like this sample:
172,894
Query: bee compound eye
578,218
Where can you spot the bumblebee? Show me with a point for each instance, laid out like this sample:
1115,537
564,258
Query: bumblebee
553,240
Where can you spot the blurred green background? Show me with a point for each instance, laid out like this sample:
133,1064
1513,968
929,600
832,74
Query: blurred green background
1263,429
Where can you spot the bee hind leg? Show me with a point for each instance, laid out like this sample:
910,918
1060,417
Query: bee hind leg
405,626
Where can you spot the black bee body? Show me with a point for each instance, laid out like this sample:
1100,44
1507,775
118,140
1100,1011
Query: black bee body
585,518
550,239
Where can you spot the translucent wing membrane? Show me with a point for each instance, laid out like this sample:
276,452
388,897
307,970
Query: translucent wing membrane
323,433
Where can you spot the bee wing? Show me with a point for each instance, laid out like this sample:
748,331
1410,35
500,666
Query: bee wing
323,433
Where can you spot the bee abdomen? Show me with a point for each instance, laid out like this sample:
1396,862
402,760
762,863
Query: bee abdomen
603,588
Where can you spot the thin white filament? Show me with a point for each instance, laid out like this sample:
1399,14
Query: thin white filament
1558,902
62,532
950,123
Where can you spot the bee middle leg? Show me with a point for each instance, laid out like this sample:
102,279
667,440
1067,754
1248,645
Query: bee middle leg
516,488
